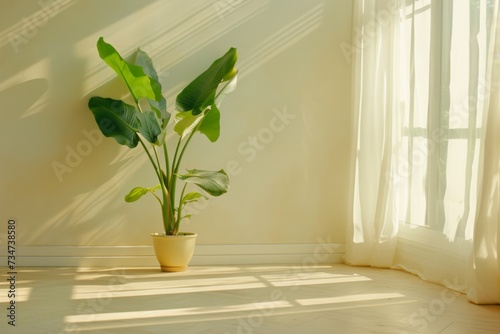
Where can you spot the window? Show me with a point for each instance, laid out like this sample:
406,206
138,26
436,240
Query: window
445,46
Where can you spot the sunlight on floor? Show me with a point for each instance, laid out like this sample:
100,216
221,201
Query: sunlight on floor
314,279
189,286
224,282
176,312
347,299
21,294
290,299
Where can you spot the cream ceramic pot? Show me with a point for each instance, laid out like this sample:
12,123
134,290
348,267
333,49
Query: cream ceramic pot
174,251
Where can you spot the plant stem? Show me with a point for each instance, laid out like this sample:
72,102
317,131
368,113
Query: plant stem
174,173
156,167
167,164
169,221
174,162
179,209
166,204
178,162
173,176
158,198
157,160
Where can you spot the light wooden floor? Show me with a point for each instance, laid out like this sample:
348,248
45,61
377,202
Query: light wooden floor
239,299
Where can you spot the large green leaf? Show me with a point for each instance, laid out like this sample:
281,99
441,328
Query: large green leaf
210,125
226,88
160,140
149,126
160,107
116,119
200,93
187,123
139,84
143,60
214,183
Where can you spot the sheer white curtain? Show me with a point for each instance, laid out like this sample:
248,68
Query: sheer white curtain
427,186
484,272
377,56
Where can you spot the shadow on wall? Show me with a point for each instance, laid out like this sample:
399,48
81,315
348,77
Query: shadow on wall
61,172
45,118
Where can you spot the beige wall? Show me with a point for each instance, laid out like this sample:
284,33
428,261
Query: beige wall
290,185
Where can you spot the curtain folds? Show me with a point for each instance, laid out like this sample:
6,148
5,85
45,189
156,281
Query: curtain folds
426,77
484,269
377,105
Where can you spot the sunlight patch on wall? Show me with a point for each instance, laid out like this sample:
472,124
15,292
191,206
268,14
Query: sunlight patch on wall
13,91
79,210
171,43
29,26
284,38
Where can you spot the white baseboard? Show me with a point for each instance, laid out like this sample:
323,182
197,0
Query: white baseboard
143,256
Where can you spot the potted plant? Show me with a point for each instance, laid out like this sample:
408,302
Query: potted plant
145,122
